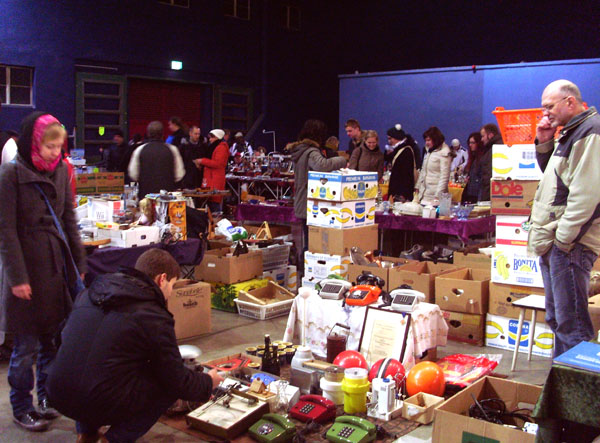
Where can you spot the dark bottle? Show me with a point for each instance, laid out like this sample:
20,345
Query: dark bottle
266,358
275,368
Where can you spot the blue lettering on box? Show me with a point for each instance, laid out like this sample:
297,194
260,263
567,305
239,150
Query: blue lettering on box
361,189
513,330
322,192
359,212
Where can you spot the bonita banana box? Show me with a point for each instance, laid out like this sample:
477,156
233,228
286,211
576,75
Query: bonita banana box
321,265
342,185
501,332
517,162
514,267
341,215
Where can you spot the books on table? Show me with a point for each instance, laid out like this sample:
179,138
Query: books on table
585,356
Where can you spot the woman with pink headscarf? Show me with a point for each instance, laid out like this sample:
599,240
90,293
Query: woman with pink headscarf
34,260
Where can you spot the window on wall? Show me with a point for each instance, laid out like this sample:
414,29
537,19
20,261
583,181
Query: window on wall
16,85
180,3
234,109
237,8
290,17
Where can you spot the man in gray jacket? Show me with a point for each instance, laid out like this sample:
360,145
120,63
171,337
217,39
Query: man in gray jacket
565,217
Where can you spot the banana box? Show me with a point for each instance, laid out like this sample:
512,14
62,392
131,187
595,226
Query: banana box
276,275
517,162
342,185
514,267
321,265
291,278
310,282
501,332
340,215
512,231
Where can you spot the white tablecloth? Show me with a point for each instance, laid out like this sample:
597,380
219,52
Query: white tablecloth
428,328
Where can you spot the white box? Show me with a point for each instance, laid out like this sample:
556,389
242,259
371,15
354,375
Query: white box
321,265
514,267
342,185
139,236
341,215
102,209
517,162
291,278
501,332
276,275
512,231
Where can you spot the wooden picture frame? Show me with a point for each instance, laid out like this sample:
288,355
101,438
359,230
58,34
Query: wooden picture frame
384,334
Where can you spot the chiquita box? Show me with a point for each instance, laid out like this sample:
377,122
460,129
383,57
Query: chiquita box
501,332
514,267
517,162
341,215
343,185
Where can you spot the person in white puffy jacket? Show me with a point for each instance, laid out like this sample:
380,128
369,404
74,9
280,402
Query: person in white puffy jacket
435,171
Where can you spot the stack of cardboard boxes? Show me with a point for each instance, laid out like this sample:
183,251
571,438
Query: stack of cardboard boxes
340,214
515,274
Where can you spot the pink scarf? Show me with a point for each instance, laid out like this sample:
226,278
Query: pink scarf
36,141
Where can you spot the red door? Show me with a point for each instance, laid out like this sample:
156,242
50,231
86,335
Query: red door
160,100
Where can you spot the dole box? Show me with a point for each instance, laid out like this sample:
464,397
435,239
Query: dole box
513,197
343,185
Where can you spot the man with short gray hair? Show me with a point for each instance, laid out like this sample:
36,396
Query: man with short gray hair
565,218
155,165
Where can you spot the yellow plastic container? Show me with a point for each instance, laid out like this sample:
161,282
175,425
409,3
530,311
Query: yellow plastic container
355,386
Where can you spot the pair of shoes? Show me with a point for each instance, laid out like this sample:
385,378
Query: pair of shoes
98,437
31,421
440,254
413,253
47,411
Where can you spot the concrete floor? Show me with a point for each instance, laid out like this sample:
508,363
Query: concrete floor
230,334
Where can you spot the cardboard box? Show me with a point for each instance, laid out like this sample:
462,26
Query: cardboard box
291,278
138,236
473,260
452,423
321,265
516,162
514,266
172,211
501,332
110,182
310,282
339,241
223,295
512,197
596,266
594,309
341,215
190,305
420,407
512,231
384,273
272,293
85,184
276,230
465,290
342,186
420,276
103,209
466,328
502,296
218,267
276,275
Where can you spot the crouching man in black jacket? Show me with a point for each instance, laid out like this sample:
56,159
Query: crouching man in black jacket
118,363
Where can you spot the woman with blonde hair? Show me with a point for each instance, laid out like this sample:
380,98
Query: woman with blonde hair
368,156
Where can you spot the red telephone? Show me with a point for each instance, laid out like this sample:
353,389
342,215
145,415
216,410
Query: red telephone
313,407
367,290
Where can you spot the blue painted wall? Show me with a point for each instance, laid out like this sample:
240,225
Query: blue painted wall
457,100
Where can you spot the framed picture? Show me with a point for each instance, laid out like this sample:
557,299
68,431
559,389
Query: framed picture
384,334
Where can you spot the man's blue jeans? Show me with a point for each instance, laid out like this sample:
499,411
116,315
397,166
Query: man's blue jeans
29,349
566,283
131,428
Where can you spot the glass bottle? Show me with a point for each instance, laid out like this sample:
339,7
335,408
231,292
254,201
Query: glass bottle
266,358
281,401
275,368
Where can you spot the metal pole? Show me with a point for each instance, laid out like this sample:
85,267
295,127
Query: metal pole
271,132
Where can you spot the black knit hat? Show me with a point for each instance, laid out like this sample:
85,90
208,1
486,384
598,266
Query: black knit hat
396,132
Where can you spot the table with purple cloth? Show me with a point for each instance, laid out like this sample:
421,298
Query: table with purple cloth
107,260
463,229
269,213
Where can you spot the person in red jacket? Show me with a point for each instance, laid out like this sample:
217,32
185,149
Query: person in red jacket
214,167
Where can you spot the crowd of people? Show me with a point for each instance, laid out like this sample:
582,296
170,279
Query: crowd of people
107,355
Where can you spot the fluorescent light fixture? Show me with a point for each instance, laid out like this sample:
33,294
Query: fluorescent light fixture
176,65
